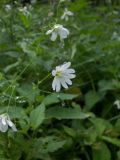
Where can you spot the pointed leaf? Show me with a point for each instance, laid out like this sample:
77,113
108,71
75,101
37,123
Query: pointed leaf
37,116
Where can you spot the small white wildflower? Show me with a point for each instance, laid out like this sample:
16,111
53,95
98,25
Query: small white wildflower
24,10
62,76
115,36
5,122
58,30
117,103
8,7
33,1
115,12
66,14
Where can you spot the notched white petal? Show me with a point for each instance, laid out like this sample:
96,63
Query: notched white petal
54,72
49,31
66,65
68,81
3,128
54,36
14,127
70,13
63,33
58,85
70,70
5,122
54,84
71,76
63,82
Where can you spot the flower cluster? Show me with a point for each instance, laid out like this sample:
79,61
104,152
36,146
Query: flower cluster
62,74
58,29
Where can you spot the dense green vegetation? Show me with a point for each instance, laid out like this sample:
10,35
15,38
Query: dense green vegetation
79,123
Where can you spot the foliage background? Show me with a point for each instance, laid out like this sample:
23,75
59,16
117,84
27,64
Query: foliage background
77,124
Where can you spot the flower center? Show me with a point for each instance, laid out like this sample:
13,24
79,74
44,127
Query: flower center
58,74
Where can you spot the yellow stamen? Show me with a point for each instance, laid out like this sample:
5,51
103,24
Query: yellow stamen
58,74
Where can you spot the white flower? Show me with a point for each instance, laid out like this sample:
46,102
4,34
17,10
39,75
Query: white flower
66,14
8,7
115,36
5,122
117,103
62,76
25,11
58,30
33,1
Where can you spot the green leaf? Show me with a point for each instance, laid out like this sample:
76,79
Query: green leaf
3,148
100,125
57,97
17,112
91,98
25,19
117,126
70,131
28,91
105,85
55,145
66,113
118,155
37,116
11,66
90,138
44,145
101,152
114,141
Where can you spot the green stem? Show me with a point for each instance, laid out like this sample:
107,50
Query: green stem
39,82
13,89
57,10
114,118
87,155
91,79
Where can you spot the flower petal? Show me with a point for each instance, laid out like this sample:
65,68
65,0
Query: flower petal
63,83
63,16
66,18
54,72
3,128
68,81
63,33
3,120
54,36
69,13
70,71
66,65
70,76
12,125
49,31
54,83
58,85
14,128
